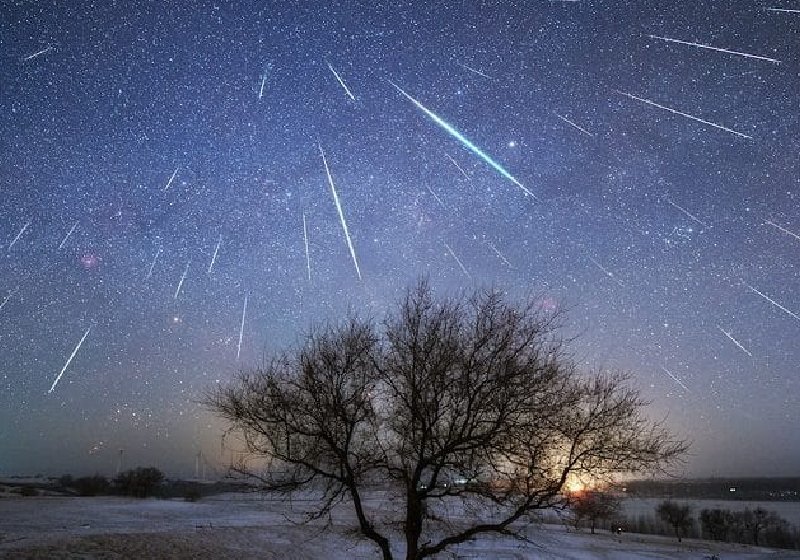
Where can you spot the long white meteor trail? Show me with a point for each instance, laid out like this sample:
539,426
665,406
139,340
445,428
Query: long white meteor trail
783,10
341,83
607,272
465,141
69,360
687,115
39,53
718,49
460,264
214,256
180,283
773,302
20,234
736,342
61,245
783,229
241,328
339,210
569,122
305,241
675,379
174,174
499,254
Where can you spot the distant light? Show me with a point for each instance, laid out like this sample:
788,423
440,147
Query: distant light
732,489
512,144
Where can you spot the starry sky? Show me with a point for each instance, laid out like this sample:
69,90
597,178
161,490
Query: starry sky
161,175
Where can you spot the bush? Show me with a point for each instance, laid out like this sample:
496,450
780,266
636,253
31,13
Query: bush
28,491
92,485
140,482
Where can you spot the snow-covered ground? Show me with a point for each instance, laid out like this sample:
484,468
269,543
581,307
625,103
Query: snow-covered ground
244,526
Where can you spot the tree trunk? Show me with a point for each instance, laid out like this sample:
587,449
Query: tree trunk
413,526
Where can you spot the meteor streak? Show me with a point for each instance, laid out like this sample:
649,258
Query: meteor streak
569,122
682,209
736,342
784,10
180,283
460,264
214,256
606,272
499,254
8,297
305,241
718,49
474,71
241,328
339,210
464,173
687,115
436,196
773,302
38,53
20,234
465,141
152,265
69,360
263,82
61,245
341,83
675,379
174,174
784,230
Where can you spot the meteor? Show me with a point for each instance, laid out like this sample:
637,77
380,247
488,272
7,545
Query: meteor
718,49
569,122
339,210
687,115
736,342
152,265
61,245
214,256
241,328
465,141
675,379
263,81
20,234
474,71
38,53
8,297
69,360
305,241
460,264
174,174
499,254
783,229
686,212
773,302
606,272
783,10
180,283
341,82
454,162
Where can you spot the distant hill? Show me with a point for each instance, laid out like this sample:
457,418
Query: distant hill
766,489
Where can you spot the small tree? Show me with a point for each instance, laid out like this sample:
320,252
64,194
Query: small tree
592,506
139,482
679,517
716,524
91,485
474,389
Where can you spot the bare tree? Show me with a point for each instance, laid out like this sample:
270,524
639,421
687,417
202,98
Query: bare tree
593,506
677,516
457,405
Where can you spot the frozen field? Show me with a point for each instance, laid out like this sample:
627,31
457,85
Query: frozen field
247,526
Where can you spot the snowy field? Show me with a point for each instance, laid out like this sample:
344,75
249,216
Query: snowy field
245,526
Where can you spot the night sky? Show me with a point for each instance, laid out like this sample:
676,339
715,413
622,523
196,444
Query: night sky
158,161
